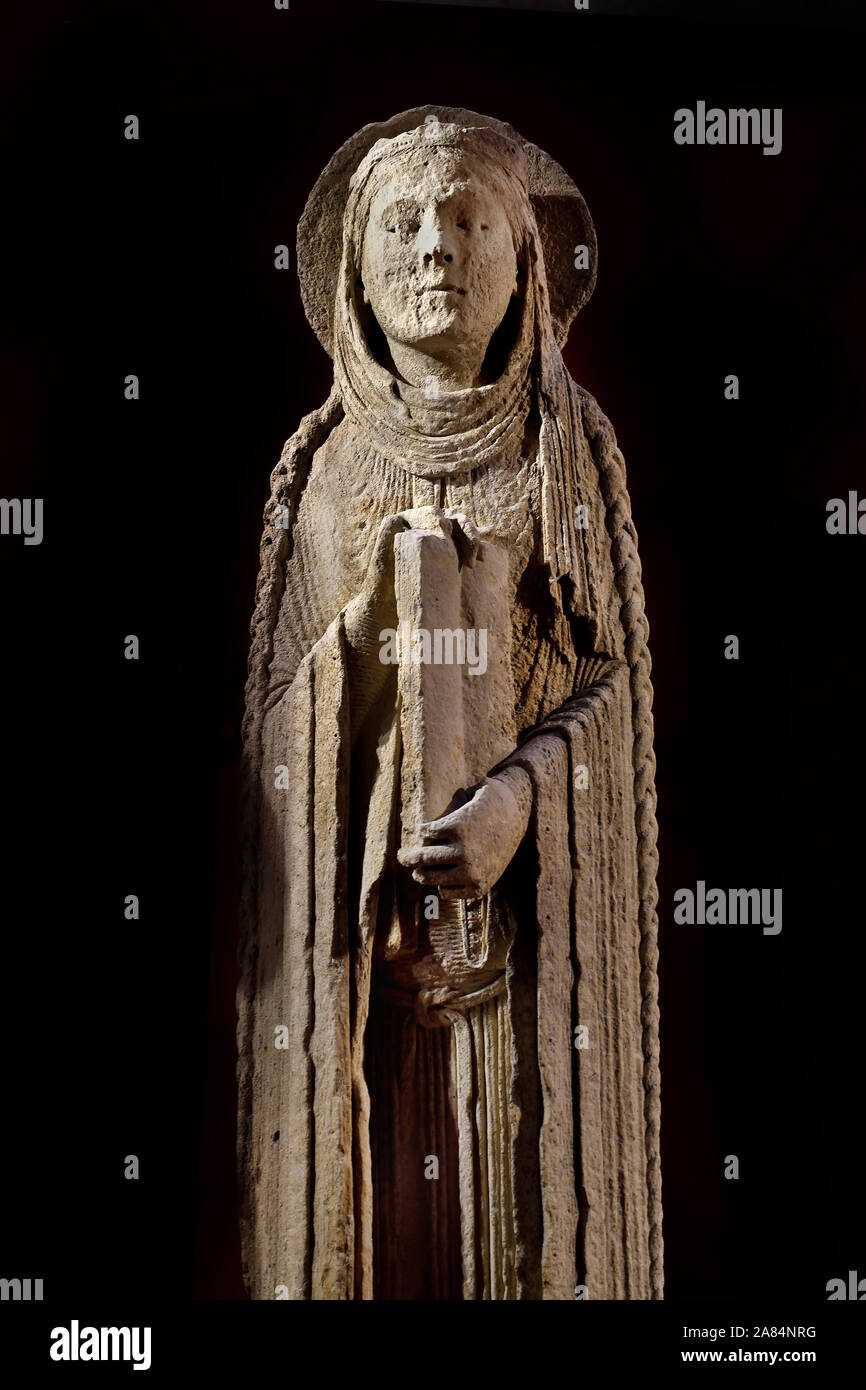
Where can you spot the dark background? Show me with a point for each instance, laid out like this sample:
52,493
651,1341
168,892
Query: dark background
156,258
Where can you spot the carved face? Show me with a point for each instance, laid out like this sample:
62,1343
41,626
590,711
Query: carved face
438,261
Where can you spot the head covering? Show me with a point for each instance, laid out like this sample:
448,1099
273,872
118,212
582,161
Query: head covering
432,435
454,432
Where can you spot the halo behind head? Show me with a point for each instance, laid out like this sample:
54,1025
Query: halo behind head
561,214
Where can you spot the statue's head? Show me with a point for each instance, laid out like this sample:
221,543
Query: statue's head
422,174
439,255
436,235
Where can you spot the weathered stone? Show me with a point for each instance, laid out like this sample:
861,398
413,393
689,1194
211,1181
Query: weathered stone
454,931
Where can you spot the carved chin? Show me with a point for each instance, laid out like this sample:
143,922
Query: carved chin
434,313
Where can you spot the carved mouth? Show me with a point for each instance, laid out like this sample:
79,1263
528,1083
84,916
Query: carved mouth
441,289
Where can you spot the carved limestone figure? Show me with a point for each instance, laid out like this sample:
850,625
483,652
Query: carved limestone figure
448,1024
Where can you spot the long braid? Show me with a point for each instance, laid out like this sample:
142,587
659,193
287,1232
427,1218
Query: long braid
287,483
627,569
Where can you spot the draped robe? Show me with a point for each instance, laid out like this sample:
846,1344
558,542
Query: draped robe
544,1142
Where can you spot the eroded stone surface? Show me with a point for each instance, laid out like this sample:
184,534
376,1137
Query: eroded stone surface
437,910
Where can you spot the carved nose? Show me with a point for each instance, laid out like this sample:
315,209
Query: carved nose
434,244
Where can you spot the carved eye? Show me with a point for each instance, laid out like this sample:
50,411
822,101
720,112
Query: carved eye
485,227
463,225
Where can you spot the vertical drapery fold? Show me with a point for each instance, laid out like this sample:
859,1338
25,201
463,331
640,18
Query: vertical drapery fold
589,945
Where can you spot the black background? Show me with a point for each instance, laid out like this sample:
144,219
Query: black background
156,257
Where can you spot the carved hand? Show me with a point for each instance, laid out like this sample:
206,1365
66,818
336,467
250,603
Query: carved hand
467,851
374,607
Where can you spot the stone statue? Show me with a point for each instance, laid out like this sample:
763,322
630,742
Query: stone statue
448,1023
